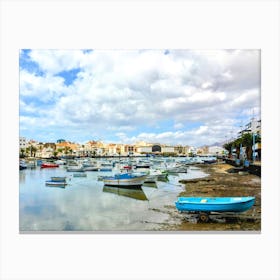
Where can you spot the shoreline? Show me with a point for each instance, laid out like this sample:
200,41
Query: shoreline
220,183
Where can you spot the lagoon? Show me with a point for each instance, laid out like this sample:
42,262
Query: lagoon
86,205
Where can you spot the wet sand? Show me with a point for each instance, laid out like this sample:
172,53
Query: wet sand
220,183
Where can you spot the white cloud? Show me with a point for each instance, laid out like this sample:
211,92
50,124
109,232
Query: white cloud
123,90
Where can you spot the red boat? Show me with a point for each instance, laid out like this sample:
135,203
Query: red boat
128,167
49,165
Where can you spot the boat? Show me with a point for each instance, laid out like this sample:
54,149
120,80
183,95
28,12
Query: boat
56,184
105,167
209,161
74,168
60,162
90,168
22,165
80,174
214,204
143,165
125,180
49,165
58,179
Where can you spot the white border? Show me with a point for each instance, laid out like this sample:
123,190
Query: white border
134,25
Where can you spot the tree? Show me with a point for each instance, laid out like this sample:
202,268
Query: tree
228,146
22,152
32,150
236,144
247,141
66,150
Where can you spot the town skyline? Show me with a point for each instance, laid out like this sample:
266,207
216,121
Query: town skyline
157,96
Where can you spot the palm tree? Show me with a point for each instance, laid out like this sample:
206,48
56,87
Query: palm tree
59,150
32,150
66,150
22,152
228,146
247,141
236,144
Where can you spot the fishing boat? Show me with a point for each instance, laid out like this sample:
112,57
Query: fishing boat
22,165
105,166
90,168
56,184
125,180
80,174
214,204
73,168
58,179
49,165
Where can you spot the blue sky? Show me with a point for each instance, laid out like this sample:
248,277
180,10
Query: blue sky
188,97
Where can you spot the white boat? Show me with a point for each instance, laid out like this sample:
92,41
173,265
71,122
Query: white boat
56,184
73,168
91,168
125,180
58,179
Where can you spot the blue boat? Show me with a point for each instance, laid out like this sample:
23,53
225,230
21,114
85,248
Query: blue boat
214,204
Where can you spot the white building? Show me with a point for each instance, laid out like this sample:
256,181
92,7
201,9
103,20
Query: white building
22,143
144,149
254,126
216,150
167,149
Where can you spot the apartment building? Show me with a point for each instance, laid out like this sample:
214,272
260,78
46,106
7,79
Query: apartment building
254,126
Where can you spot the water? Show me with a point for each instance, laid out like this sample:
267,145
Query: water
85,204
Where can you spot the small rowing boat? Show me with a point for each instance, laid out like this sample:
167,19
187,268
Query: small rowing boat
56,184
49,165
215,204
58,179
80,174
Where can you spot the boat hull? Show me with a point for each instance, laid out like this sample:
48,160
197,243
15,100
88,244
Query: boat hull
81,174
123,181
70,169
47,165
58,179
214,204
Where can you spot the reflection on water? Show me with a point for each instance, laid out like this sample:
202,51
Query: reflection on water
133,193
151,185
22,176
55,186
85,204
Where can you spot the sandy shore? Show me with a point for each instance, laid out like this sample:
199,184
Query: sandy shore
221,183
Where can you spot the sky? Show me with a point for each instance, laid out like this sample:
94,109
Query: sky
175,97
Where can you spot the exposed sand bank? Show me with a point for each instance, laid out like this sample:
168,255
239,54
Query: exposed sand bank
221,183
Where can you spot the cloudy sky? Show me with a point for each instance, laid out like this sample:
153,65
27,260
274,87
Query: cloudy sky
186,97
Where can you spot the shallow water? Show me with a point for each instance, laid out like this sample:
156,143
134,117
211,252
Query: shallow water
85,204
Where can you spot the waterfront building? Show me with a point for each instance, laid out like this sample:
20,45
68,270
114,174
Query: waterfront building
216,150
204,150
192,150
144,149
67,148
167,149
22,143
254,126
